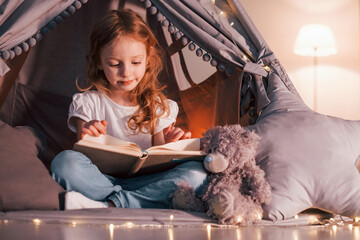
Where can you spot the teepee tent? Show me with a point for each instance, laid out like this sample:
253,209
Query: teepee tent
43,46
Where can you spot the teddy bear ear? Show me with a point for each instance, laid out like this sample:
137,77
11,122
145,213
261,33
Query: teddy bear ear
216,163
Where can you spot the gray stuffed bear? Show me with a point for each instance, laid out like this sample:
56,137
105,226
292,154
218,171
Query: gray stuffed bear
237,186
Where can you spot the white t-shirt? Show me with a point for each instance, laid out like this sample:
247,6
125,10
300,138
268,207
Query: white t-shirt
94,105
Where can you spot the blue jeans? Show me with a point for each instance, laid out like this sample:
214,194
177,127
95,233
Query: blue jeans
75,172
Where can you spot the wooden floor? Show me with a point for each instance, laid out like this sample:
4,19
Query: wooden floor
163,224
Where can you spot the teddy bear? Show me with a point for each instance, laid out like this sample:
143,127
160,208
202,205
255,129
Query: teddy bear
236,187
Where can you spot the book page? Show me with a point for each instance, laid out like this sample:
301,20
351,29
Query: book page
192,144
109,142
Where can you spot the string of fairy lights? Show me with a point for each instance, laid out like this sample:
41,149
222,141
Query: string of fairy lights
333,225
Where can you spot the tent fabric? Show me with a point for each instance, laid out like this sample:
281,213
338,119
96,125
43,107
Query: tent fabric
23,23
201,20
220,32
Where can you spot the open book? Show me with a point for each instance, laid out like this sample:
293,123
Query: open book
120,158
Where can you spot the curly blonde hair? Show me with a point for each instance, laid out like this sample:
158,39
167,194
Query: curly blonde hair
148,93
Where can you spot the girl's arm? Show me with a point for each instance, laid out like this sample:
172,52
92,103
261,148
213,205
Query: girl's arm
170,134
93,127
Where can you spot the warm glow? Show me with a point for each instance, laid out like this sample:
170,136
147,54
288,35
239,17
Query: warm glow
295,235
171,233
208,230
313,220
36,221
258,234
357,233
357,219
111,229
171,219
318,7
129,225
238,234
296,217
315,40
333,94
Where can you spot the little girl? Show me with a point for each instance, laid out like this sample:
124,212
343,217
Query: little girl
123,65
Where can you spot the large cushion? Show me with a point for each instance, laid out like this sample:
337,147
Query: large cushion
25,182
309,158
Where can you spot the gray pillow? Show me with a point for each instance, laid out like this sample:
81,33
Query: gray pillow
309,158
25,183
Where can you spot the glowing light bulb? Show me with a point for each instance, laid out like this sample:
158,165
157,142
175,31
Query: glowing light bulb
73,223
267,68
313,219
232,23
36,221
129,225
296,217
171,219
357,219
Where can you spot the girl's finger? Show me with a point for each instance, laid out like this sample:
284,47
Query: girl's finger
85,131
169,128
104,123
94,131
186,135
100,127
176,134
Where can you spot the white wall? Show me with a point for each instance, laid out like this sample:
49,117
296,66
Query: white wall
339,76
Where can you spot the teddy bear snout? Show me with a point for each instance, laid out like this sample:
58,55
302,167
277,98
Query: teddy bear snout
216,162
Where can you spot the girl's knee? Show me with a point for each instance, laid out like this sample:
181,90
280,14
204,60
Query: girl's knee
194,172
193,167
67,163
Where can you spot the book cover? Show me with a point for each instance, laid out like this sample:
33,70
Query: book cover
120,158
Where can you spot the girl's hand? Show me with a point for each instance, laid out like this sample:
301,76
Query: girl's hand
174,134
94,128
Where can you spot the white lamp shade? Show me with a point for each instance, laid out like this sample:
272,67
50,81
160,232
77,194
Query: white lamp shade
315,40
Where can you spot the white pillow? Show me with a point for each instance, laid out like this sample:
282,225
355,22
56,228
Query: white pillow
309,158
